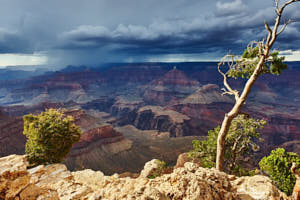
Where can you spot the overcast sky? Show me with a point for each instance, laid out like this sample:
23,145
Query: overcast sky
62,32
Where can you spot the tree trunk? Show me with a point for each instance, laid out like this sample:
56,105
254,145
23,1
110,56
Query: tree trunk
234,112
241,100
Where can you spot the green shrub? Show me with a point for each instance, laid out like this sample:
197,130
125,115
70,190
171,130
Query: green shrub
241,141
206,150
277,165
161,170
50,136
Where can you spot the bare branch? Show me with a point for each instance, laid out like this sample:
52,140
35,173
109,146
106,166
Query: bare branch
226,92
229,91
279,12
277,7
284,5
284,26
269,31
236,142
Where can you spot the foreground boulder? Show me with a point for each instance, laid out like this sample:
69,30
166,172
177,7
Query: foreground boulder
256,187
189,182
181,160
152,168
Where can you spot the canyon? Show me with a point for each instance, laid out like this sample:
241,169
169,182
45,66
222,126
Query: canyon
131,113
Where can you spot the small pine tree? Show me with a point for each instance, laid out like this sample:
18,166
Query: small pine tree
241,141
277,165
50,136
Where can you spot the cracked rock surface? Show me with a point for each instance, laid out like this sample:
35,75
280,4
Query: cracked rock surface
189,182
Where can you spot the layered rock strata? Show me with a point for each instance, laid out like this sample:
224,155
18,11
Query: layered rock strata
170,88
159,118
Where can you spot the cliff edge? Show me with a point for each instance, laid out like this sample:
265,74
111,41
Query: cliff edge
190,182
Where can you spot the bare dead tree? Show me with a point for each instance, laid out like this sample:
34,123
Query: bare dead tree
263,55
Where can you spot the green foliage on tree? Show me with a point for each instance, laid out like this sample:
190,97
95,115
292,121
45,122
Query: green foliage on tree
50,136
241,141
205,151
246,64
277,165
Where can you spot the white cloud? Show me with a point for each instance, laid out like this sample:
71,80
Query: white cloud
290,55
22,59
86,31
120,32
230,8
182,58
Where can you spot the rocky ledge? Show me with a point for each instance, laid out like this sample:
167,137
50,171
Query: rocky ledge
189,182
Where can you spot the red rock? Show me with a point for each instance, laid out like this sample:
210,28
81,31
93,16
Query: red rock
169,89
105,133
11,138
175,77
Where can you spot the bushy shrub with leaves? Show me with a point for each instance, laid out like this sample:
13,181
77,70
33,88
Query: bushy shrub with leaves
277,165
50,136
242,140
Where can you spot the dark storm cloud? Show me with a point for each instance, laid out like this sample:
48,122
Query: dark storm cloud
13,42
93,31
197,35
